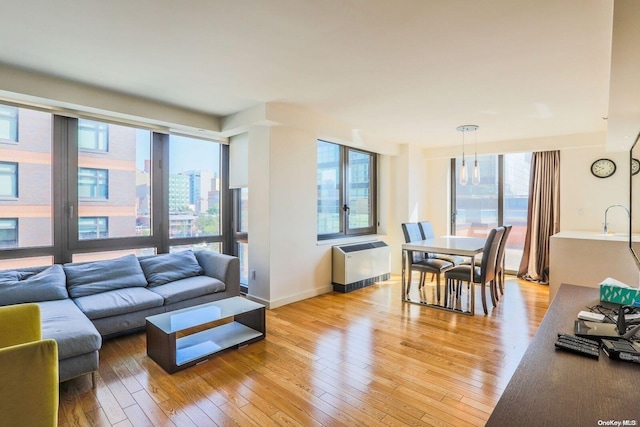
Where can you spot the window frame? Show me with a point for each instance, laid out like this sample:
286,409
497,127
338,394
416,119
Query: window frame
96,225
15,181
13,117
240,234
16,222
100,181
100,133
343,194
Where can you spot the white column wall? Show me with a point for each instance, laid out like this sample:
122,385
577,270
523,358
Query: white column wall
259,213
300,268
407,197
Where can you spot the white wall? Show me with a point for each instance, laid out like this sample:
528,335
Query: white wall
584,198
75,99
289,262
300,268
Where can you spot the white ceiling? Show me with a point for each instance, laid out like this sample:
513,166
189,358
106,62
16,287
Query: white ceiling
407,71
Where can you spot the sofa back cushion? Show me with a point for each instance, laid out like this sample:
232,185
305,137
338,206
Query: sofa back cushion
89,278
165,268
17,287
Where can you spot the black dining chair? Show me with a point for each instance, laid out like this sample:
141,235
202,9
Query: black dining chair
485,273
426,228
499,288
420,261
500,260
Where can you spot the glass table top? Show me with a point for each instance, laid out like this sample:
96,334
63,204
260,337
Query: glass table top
179,320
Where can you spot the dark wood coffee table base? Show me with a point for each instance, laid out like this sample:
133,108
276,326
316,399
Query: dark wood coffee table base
245,325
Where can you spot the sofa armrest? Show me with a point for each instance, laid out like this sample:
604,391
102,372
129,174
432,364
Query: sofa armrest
29,389
225,268
19,323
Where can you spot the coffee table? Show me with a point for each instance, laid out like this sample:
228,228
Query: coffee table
182,338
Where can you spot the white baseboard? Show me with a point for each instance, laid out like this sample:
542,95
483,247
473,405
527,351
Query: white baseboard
271,304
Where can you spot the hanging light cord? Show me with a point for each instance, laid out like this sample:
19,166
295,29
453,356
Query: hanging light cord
475,149
463,147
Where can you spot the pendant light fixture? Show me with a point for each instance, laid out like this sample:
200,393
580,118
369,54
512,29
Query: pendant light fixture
464,174
475,179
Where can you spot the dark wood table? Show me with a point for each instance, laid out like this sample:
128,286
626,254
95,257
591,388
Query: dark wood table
556,388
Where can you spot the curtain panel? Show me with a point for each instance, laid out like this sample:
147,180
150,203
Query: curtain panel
543,218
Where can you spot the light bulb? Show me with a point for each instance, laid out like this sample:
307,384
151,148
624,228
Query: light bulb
476,173
464,176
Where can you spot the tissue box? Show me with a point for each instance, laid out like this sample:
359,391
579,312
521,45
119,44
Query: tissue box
618,295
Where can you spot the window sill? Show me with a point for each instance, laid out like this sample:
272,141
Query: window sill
354,239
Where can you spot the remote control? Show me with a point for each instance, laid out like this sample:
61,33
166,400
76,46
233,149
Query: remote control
583,349
592,317
580,340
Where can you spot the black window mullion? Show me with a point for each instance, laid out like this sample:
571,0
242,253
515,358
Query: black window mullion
343,194
226,203
453,205
160,191
500,189
71,195
60,181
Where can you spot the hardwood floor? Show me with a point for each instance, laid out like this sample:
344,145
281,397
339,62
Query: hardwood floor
362,358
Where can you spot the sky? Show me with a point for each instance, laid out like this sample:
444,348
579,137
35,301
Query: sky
185,153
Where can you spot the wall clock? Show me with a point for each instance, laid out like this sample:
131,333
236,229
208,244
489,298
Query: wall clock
603,168
635,166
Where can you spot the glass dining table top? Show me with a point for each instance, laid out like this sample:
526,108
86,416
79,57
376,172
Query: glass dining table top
451,245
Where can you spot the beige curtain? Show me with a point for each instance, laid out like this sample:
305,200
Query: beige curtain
543,219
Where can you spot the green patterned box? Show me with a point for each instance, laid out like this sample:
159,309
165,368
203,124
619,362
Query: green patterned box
618,295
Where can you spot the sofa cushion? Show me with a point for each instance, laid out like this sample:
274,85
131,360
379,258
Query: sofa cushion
119,301
191,287
18,287
89,278
63,321
161,269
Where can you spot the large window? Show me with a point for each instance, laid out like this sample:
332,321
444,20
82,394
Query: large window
26,181
501,198
104,189
8,179
120,191
346,191
194,192
8,123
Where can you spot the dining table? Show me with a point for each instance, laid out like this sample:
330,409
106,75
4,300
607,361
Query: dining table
446,245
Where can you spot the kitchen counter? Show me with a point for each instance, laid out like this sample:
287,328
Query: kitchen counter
586,258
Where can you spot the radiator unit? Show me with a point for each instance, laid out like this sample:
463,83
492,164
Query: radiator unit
361,264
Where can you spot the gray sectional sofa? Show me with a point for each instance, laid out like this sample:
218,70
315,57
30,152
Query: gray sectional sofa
83,303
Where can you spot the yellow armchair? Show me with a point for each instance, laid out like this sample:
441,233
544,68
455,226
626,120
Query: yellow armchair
29,390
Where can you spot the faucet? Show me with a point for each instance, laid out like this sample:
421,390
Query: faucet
605,227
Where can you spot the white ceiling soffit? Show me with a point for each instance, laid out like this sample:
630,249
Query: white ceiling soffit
624,92
407,71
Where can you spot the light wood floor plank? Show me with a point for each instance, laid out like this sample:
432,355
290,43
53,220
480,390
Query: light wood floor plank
359,359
